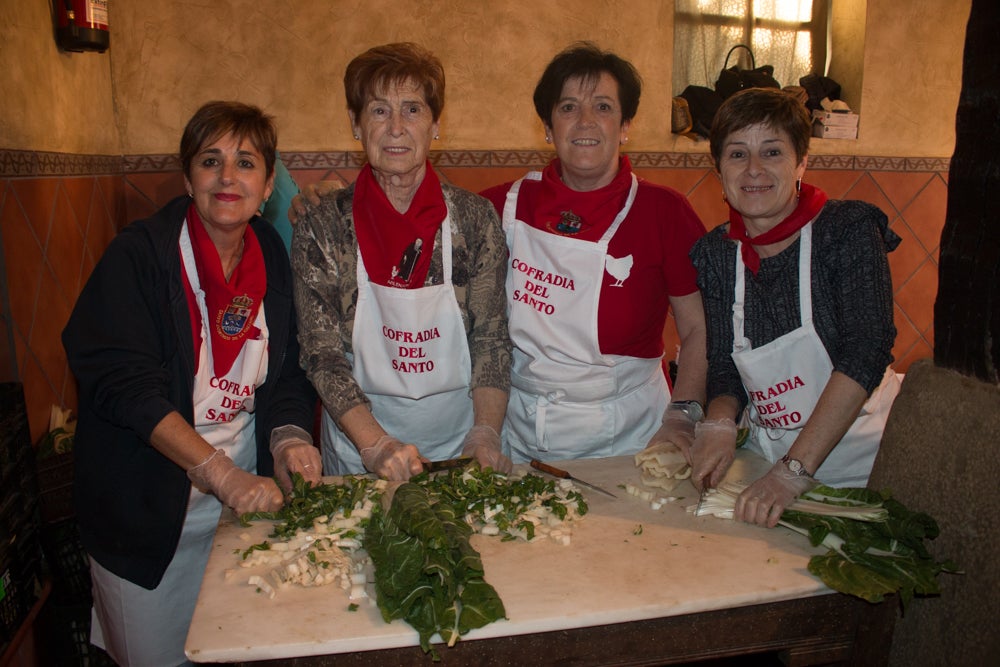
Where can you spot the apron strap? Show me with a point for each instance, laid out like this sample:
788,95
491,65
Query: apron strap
740,341
610,232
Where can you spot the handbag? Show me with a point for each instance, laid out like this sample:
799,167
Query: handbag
702,102
733,79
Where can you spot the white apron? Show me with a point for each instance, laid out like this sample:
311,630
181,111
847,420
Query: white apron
785,378
567,399
143,627
411,358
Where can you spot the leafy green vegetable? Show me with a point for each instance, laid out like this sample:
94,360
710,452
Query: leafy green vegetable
876,545
872,559
426,571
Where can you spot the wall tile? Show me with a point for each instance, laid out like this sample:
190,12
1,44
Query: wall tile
916,296
50,318
80,192
37,197
64,250
925,214
901,186
866,189
907,257
24,261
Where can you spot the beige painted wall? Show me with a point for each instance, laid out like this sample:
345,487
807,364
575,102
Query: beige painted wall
289,55
49,100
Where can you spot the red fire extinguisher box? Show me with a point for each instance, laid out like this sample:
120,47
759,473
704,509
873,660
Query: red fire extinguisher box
82,25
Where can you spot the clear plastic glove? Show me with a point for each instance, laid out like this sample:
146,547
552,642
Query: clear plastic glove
295,455
677,428
764,501
482,443
391,459
235,487
311,194
713,452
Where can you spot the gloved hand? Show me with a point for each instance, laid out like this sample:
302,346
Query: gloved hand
235,487
296,455
713,452
763,501
678,428
391,459
482,443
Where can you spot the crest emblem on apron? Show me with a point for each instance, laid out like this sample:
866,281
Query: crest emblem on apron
236,315
569,223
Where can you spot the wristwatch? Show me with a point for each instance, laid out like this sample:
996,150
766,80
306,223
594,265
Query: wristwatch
692,409
795,466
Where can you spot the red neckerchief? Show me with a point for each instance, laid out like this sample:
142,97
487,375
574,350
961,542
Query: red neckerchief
388,239
232,306
583,215
811,200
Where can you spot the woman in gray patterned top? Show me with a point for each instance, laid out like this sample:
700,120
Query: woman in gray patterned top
399,286
798,305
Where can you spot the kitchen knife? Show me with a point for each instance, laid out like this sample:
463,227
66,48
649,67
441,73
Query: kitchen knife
434,466
562,474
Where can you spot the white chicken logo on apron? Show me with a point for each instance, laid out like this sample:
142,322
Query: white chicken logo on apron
620,268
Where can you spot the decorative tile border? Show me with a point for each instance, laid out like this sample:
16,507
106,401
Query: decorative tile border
16,163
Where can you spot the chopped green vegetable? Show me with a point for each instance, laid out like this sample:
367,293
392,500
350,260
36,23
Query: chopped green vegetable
352,607
637,530
263,546
308,503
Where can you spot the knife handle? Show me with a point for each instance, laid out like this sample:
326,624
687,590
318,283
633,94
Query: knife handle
544,467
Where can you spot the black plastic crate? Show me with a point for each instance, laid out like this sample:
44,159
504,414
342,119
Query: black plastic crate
14,605
67,562
19,475
15,436
55,487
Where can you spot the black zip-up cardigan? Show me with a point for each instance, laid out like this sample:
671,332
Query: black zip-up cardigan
129,345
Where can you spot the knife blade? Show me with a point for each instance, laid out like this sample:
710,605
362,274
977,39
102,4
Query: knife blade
562,474
434,466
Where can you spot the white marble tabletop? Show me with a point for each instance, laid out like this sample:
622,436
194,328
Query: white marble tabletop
677,564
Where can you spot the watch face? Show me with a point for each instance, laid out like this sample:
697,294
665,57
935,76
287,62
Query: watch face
794,465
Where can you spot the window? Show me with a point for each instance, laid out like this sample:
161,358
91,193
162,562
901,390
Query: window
790,35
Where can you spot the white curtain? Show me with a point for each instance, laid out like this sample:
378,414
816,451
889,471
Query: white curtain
778,31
